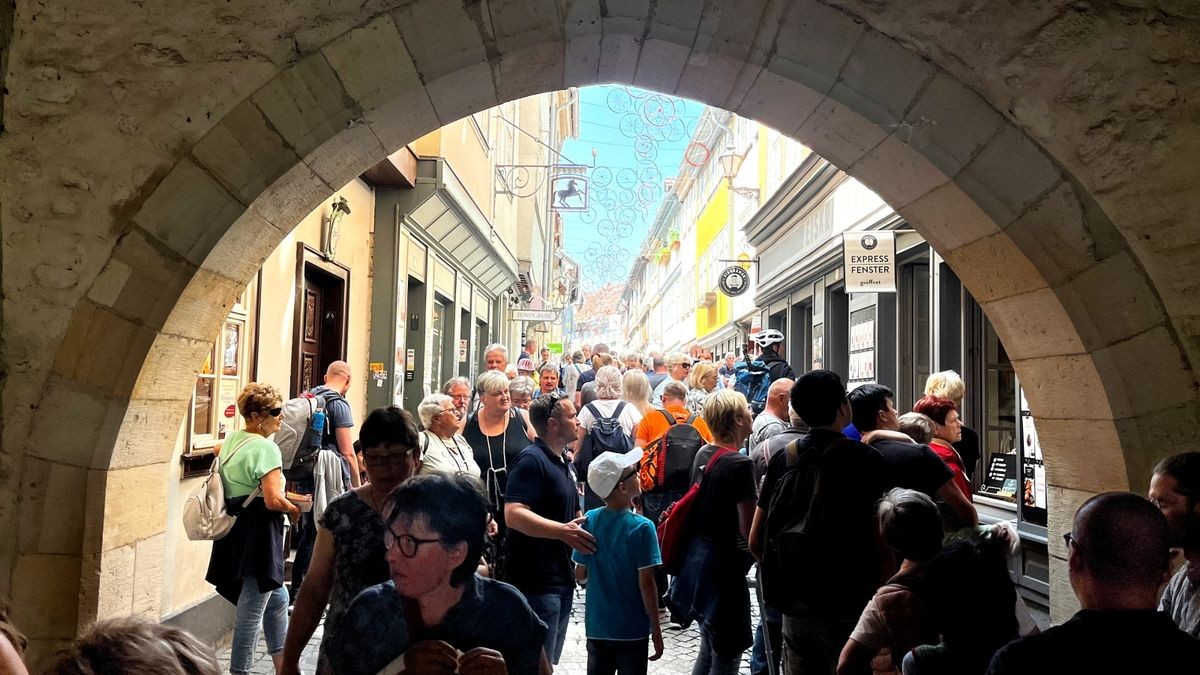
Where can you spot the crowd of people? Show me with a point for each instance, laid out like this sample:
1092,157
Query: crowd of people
452,541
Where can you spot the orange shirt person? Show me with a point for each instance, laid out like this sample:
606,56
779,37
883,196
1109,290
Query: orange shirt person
654,424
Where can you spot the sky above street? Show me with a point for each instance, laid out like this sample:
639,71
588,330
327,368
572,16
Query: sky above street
639,138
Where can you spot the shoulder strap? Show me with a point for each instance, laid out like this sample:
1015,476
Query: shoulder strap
616,411
424,442
691,418
591,407
237,447
712,461
670,418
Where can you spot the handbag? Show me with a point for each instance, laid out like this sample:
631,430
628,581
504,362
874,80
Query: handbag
204,514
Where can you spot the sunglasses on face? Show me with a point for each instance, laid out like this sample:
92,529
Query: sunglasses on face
630,473
273,412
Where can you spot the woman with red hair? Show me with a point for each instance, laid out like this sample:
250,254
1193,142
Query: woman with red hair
947,430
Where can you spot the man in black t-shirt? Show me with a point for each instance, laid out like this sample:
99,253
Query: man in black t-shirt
1118,559
815,531
908,465
541,508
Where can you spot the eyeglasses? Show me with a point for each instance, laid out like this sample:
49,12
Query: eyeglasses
408,543
1069,540
686,365
453,411
392,457
273,412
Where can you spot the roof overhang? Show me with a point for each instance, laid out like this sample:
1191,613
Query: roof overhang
440,208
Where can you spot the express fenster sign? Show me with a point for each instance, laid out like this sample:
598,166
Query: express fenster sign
870,261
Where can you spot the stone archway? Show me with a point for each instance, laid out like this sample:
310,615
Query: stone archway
114,284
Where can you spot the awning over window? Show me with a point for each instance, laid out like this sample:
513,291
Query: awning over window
441,208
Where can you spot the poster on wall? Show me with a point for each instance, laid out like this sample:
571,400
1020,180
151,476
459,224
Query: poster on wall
818,346
869,259
862,347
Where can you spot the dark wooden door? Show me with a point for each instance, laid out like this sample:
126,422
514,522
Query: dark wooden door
312,319
320,338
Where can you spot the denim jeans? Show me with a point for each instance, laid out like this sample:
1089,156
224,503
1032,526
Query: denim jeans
708,662
554,609
254,608
306,537
770,627
623,657
812,644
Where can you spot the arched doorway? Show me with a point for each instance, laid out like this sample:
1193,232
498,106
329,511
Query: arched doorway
107,328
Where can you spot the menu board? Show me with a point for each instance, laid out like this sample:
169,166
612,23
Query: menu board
862,346
1001,477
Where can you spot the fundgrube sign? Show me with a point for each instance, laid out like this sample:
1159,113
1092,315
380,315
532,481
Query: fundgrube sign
870,261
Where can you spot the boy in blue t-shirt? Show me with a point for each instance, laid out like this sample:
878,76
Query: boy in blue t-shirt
622,598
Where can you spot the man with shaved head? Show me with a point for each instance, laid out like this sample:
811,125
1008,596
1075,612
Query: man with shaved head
1118,559
774,417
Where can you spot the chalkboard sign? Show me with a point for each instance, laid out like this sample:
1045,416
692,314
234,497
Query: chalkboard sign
1001,477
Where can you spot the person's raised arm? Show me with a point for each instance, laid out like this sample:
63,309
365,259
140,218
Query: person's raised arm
310,604
521,518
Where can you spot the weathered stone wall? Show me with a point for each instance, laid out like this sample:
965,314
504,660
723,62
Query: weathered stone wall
155,153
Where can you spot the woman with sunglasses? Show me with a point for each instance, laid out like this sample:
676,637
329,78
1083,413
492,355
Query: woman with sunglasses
435,612
246,565
349,554
443,449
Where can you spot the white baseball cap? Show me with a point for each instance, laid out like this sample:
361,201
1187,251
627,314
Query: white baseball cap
605,471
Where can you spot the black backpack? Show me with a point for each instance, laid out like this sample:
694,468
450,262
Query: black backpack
804,555
605,435
667,466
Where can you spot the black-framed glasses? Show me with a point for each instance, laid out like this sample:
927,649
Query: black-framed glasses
1069,539
454,411
273,412
409,545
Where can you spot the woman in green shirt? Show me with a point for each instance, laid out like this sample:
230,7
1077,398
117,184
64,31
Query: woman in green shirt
247,564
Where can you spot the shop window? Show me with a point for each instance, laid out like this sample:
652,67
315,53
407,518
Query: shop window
915,352
862,363
213,412
438,336
1000,433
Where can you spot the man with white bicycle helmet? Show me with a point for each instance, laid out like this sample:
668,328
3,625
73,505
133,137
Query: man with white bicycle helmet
771,343
755,386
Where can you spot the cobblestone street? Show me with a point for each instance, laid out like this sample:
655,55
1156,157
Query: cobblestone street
679,654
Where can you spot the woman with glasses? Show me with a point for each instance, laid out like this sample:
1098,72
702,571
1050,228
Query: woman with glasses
436,613
246,565
443,449
349,554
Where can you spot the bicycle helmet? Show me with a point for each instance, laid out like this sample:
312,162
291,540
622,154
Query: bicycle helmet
766,338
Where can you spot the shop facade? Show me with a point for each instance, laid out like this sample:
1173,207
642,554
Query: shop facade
929,324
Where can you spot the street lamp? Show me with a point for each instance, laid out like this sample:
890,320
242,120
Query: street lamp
731,163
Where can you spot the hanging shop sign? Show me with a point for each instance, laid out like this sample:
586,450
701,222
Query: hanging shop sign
870,261
734,281
535,315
